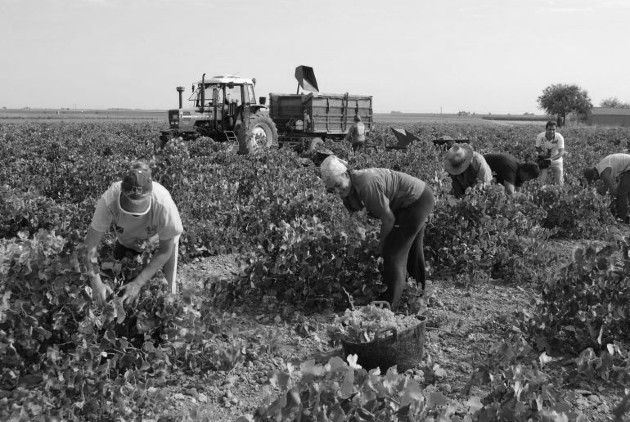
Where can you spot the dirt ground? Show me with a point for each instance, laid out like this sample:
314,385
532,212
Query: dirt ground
463,322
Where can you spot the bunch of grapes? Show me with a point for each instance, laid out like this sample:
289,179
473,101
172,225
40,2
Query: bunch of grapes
363,325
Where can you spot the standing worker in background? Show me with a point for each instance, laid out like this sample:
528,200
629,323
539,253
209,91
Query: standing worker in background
356,134
467,168
612,169
550,146
402,203
143,213
510,172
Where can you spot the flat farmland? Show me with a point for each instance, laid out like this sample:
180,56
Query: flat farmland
17,115
22,115
526,309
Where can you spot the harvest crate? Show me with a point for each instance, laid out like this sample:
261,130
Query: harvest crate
391,347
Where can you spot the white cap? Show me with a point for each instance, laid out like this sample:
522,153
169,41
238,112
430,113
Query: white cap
332,166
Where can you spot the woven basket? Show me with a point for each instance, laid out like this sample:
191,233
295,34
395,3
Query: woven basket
390,347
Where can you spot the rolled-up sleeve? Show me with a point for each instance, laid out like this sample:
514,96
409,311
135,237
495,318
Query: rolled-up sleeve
170,223
102,218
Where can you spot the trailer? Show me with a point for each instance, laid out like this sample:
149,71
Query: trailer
304,120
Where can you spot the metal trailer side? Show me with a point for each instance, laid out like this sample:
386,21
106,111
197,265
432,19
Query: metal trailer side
300,118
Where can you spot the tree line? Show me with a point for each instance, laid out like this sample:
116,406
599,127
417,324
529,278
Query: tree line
562,99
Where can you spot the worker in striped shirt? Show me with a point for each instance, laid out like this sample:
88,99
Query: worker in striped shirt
614,171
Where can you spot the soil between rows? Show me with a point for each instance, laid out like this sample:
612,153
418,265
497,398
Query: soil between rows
463,322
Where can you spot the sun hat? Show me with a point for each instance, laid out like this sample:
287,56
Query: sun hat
136,189
458,158
332,166
325,151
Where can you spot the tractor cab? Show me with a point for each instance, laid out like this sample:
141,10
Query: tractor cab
223,90
217,106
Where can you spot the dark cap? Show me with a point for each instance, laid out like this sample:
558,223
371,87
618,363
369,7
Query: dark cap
136,188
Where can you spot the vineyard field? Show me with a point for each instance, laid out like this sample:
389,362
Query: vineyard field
526,305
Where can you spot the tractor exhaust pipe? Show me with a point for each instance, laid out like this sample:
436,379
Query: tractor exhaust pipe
180,90
203,91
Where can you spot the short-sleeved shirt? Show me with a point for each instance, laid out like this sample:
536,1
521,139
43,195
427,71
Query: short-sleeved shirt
505,167
552,147
477,171
370,188
618,163
356,134
161,222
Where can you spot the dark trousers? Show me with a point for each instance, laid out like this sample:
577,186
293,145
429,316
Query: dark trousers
403,249
621,200
121,251
357,146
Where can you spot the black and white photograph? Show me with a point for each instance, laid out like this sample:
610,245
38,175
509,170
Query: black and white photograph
314,211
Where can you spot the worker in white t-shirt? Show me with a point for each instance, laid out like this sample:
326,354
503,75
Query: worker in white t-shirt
550,146
142,214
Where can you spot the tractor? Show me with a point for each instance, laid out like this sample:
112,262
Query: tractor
225,109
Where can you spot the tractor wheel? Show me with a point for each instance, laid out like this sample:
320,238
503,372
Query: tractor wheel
262,133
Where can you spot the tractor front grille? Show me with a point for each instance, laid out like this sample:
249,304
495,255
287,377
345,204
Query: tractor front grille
173,119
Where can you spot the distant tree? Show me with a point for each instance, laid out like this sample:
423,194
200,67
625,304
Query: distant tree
613,102
562,99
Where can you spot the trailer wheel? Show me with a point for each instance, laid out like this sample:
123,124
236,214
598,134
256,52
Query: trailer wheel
262,133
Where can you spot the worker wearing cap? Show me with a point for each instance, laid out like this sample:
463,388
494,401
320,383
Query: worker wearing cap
402,203
614,171
356,134
467,168
142,212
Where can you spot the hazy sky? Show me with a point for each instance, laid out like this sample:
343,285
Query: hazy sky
411,55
